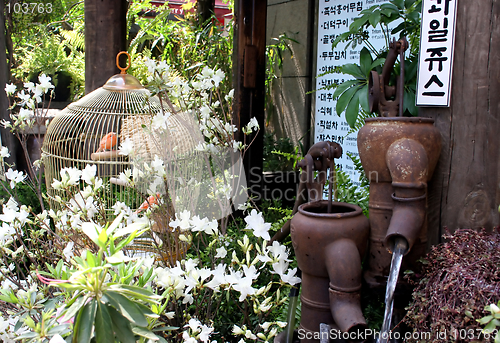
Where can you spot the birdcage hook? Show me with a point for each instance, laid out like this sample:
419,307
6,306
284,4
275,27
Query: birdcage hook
123,70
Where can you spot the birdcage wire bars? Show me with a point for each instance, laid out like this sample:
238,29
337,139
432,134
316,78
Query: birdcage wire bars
122,107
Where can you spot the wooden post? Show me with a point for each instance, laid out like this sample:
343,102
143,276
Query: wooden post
105,37
204,10
465,189
8,138
249,65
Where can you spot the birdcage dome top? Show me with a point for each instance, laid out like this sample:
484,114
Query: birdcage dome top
122,82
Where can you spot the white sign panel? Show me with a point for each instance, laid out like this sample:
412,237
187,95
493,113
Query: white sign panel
334,18
436,52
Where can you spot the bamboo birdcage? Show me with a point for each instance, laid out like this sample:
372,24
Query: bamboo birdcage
120,110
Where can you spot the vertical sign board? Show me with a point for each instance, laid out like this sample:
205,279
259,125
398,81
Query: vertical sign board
436,52
334,18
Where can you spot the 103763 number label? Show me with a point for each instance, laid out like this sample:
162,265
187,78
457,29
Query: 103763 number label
28,8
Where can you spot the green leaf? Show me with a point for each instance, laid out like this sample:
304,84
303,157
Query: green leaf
409,3
165,328
399,28
103,325
58,329
365,61
133,289
82,331
129,239
490,327
102,238
411,71
352,111
126,307
497,337
340,38
91,260
343,87
121,326
409,103
352,69
358,23
388,9
375,18
377,62
399,3
414,17
144,333
27,335
74,308
485,320
363,98
345,99
147,311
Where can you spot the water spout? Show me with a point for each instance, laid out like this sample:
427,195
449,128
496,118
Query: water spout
400,248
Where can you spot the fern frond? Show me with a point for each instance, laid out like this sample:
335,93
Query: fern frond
74,39
360,121
359,168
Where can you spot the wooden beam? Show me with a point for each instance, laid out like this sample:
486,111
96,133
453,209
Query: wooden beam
465,190
8,139
105,37
249,65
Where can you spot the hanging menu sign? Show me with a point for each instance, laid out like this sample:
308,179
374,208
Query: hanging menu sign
436,52
334,18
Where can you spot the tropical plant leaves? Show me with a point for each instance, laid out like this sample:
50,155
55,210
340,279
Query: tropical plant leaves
126,307
352,110
103,325
344,100
121,326
82,330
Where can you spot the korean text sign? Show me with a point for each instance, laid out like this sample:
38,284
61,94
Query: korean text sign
436,52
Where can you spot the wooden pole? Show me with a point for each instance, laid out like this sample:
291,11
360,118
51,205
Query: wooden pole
8,138
204,10
465,189
249,65
105,37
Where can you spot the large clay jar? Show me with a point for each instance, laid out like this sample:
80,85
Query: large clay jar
329,248
399,156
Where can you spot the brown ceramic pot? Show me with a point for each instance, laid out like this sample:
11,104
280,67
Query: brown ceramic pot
329,248
399,156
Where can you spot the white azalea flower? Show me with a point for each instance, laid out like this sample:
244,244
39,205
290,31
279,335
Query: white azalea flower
221,252
10,89
92,230
256,223
30,86
278,251
15,177
205,333
181,221
57,339
88,174
187,338
160,121
244,286
290,277
126,147
45,83
68,251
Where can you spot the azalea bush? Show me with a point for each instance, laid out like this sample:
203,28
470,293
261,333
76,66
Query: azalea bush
70,273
